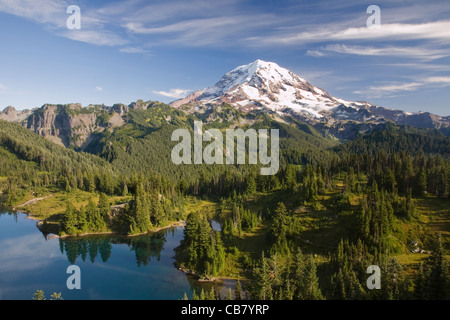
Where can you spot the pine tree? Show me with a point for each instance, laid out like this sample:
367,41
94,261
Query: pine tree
69,221
104,207
82,222
298,274
420,284
39,295
125,189
56,296
263,279
421,188
438,276
238,291
310,284
278,229
251,185
91,209
230,294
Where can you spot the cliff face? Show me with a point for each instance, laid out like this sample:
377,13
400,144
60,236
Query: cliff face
71,125
10,114
63,124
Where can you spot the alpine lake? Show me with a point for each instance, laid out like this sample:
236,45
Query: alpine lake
112,267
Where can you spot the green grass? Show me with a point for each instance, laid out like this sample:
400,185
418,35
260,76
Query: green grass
58,199
435,216
50,209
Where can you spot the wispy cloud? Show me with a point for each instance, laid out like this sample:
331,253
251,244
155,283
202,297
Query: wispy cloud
132,50
101,38
386,90
8,90
404,52
53,16
441,80
46,11
420,66
436,30
3,88
174,93
98,89
217,30
206,23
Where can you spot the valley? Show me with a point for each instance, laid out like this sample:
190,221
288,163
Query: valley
357,185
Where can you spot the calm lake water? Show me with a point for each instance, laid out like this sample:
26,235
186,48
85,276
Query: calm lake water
112,267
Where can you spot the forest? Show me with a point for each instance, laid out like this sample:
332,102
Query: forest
307,233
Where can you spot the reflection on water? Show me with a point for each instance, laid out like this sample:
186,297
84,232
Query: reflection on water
112,267
145,247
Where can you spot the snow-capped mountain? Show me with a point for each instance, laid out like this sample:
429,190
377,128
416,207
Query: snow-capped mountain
263,85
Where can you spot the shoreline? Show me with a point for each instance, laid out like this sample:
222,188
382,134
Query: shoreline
40,222
205,280
172,225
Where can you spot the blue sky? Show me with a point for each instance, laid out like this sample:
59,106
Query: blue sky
162,50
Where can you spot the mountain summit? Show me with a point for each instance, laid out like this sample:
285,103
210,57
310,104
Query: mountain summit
263,85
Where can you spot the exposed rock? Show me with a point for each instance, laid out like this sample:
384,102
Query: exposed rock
121,109
139,105
10,114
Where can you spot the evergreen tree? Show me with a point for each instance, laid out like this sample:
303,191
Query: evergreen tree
251,185
39,295
104,207
310,285
69,221
278,229
238,295
438,276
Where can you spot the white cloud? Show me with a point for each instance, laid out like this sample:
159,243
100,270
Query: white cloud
98,89
391,88
132,50
442,80
44,11
421,66
101,38
174,93
316,53
412,86
437,30
217,30
407,52
52,14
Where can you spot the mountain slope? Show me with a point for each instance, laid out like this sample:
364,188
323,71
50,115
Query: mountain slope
29,161
396,139
144,143
266,85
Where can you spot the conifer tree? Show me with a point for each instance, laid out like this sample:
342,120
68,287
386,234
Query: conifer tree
238,291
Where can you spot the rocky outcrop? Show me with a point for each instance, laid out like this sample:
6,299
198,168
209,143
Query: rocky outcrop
71,125
63,124
67,125
140,105
10,114
120,109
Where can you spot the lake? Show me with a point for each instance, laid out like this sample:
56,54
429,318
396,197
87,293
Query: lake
112,267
